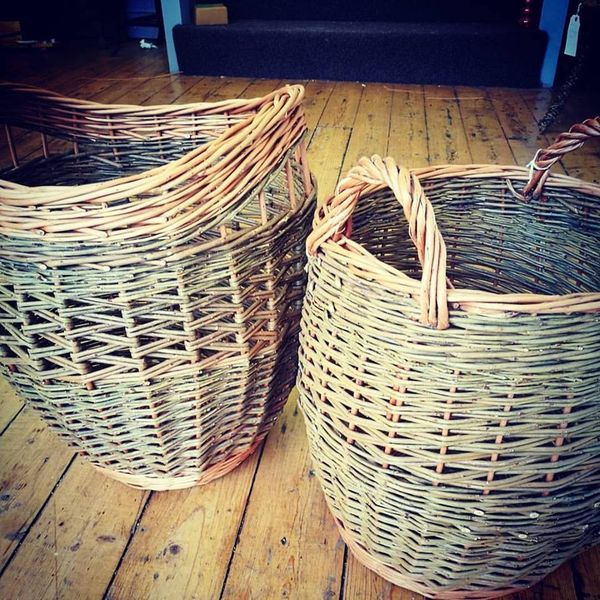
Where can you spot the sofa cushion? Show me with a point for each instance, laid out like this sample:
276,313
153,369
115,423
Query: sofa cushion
437,53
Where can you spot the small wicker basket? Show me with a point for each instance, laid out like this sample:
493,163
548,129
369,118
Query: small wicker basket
452,394
151,277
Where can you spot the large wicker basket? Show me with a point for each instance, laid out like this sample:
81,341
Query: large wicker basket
151,277
452,393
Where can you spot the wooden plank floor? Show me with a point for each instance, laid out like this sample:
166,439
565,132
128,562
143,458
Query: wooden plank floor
263,531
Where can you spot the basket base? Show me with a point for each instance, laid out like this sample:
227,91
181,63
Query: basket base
162,484
393,576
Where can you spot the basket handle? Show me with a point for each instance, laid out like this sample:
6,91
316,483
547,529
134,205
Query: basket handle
333,221
564,143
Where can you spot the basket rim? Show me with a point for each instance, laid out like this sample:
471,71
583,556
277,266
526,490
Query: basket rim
134,110
490,171
364,263
162,194
181,253
10,190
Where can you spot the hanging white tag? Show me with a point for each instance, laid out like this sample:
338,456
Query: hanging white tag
572,36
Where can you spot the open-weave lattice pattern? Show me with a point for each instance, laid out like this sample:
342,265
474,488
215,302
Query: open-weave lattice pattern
151,313
452,392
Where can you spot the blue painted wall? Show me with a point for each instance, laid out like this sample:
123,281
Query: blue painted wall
175,12
552,21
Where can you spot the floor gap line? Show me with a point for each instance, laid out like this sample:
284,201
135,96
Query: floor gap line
37,516
133,531
242,521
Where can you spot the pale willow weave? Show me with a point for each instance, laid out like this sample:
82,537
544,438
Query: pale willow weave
449,370
152,274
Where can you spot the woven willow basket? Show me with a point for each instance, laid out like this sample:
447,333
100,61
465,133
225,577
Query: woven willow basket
452,392
151,277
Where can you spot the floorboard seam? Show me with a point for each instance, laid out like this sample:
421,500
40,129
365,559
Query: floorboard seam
11,420
462,122
504,132
428,157
242,521
341,172
344,573
35,519
578,583
311,134
134,527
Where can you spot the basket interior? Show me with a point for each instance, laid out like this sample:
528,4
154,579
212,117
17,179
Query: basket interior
495,242
69,163
57,161
91,165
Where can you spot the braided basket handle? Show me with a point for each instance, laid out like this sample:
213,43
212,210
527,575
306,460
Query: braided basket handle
333,221
564,143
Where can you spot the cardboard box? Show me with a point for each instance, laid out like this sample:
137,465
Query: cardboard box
10,28
210,14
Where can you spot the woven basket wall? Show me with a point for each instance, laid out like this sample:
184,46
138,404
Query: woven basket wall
152,274
452,392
